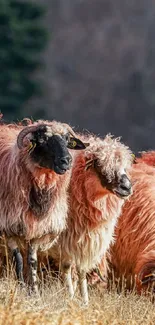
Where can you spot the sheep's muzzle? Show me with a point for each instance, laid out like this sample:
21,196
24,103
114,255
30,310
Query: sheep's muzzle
124,187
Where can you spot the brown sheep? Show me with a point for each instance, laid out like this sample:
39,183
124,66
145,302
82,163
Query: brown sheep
147,158
132,256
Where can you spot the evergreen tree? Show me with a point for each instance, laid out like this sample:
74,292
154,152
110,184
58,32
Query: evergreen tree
22,38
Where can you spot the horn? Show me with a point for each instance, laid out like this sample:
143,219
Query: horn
26,131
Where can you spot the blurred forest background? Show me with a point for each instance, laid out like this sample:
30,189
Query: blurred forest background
90,63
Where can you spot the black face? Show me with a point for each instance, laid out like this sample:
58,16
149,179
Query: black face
120,185
51,151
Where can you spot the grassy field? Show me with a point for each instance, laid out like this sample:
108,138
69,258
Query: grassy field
53,307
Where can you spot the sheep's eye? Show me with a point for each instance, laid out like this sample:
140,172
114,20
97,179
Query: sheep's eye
72,143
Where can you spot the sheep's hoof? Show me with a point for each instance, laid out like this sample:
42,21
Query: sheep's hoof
22,285
71,297
85,304
34,291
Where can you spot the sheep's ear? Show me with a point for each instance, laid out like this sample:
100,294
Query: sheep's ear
134,160
76,144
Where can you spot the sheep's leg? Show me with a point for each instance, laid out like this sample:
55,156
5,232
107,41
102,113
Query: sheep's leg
74,278
32,261
83,286
66,270
19,265
75,283
18,260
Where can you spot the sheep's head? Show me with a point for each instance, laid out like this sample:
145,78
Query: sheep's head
47,145
111,160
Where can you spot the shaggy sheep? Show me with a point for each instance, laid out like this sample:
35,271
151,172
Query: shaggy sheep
98,187
147,158
132,256
34,176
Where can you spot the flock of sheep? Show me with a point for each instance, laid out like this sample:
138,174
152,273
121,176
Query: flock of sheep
70,195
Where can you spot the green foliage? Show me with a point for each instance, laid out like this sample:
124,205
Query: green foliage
22,38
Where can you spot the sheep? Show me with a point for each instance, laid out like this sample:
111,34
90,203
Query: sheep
98,187
147,158
132,255
35,171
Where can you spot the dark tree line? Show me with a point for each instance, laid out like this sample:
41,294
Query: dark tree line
22,38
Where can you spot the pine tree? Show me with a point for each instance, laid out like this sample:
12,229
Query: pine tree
22,38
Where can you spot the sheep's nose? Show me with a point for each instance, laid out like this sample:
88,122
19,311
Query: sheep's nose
65,160
124,187
125,183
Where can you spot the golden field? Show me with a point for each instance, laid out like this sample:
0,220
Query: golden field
53,307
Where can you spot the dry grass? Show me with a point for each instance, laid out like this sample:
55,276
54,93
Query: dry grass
53,307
